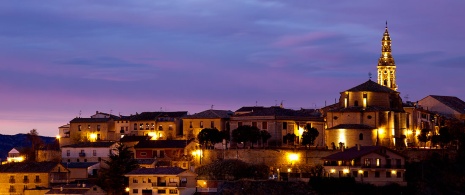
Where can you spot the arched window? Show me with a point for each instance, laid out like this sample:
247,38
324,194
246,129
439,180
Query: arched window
356,103
360,136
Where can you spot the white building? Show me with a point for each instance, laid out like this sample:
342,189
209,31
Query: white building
88,151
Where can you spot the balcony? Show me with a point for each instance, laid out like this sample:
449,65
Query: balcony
37,181
12,181
26,181
82,154
12,190
169,184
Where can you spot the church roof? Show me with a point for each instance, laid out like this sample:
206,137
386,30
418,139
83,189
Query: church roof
372,87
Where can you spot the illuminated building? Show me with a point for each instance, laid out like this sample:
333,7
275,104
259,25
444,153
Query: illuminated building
88,151
213,119
158,125
376,165
386,64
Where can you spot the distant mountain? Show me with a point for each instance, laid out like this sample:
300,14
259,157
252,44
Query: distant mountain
7,142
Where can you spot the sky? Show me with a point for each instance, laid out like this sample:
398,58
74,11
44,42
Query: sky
64,59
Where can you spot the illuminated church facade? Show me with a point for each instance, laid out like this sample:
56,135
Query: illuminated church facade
371,113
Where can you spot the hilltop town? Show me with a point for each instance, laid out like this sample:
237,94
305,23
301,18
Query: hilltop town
370,136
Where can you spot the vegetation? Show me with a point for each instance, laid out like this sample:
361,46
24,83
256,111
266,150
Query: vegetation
209,137
228,170
112,178
36,143
264,136
246,133
309,135
423,136
289,138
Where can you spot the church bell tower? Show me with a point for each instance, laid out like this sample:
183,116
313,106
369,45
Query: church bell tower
386,64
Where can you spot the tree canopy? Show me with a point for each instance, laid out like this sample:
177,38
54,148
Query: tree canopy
309,135
246,133
112,178
209,137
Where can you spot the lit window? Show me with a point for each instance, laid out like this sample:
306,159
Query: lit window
98,127
79,127
201,124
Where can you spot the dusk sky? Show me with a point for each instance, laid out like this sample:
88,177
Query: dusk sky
62,58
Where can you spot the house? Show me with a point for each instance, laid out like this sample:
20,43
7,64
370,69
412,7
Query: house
14,155
418,119
33,177
445,105
376,165
88,151
76,189
214,119
131,140
91,130
159,125
146,163
161,180
174,152
81,171
279,122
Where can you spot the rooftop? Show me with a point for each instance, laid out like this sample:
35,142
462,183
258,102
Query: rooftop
162,144
157,170
28,167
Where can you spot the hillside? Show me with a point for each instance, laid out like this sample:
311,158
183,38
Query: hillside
7,142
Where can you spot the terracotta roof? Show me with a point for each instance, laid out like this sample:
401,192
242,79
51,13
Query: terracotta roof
154,115
162,144
353,153
372,86
158,170
78,164
250,108
28,167
452,102
351,126
90,120
90,145
133,138
212,114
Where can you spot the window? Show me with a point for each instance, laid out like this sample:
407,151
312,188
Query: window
37,179
26,179
190,124
367,162
147,126
212,124
356,103
77,160
170,127
201,124
360,136
135,191
12,179
85,160
153,126
94,152
254,124
354,173
365,173
134,180
264,125
239,124
162,191
162,154
98,127
284,125
143,153
388,174
398,163
79,127
378,162
388,163
376,174
149,180
141,126
12,189
68,153
88,126
160,127
399,174
173,191
98,137
135,126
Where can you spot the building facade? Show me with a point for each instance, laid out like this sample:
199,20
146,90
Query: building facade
88,151
214,119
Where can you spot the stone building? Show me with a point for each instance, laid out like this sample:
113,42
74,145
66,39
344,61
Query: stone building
214,119
159,125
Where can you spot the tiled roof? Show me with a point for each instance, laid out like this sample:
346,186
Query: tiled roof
372,86
282,112
153,115
78,164
250,108
158,170
90,120
162,144
133,138
28,167
452,102
90,145
353,153
367,109
352,126
212,114
146,161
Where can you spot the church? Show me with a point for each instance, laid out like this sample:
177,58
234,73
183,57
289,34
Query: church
370,114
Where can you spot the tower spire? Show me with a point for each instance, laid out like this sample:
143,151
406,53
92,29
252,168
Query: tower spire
386,63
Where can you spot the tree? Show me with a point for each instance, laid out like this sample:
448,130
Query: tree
445,136
246,133
309,135
264,136
112,178
423,136
289,138
209,137
36,143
